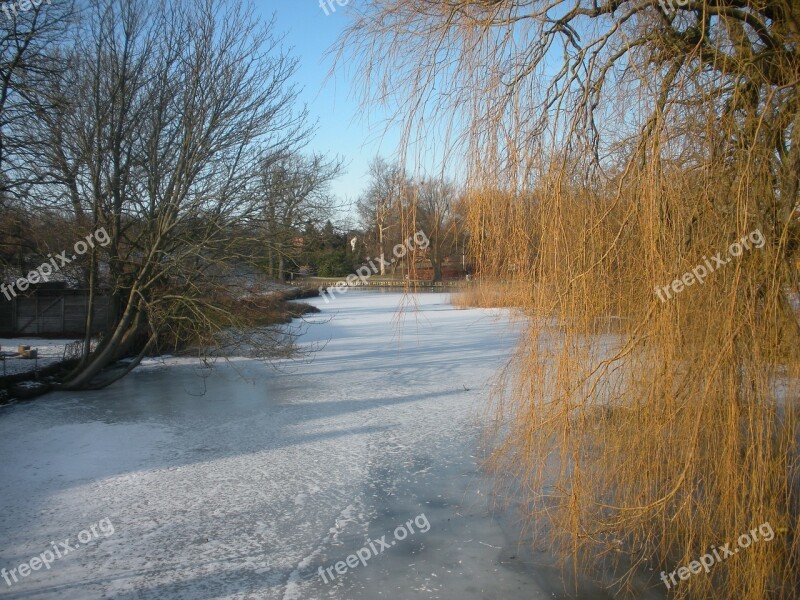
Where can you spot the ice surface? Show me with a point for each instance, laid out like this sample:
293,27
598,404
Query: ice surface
242,480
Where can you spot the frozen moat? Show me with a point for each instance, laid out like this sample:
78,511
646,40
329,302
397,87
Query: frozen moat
242,481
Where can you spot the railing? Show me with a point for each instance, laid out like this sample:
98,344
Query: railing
385,283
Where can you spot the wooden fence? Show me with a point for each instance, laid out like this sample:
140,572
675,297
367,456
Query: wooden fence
52,312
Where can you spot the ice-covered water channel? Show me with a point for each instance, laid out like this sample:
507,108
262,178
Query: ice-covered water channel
242,481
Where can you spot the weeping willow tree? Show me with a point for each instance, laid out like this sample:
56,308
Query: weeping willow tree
634,170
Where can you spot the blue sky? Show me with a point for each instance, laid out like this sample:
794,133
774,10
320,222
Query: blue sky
343,129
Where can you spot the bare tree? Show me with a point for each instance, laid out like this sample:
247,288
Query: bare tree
27,60
379,206
434,211
178,104
294,192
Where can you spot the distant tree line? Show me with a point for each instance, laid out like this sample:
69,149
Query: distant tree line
303,239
